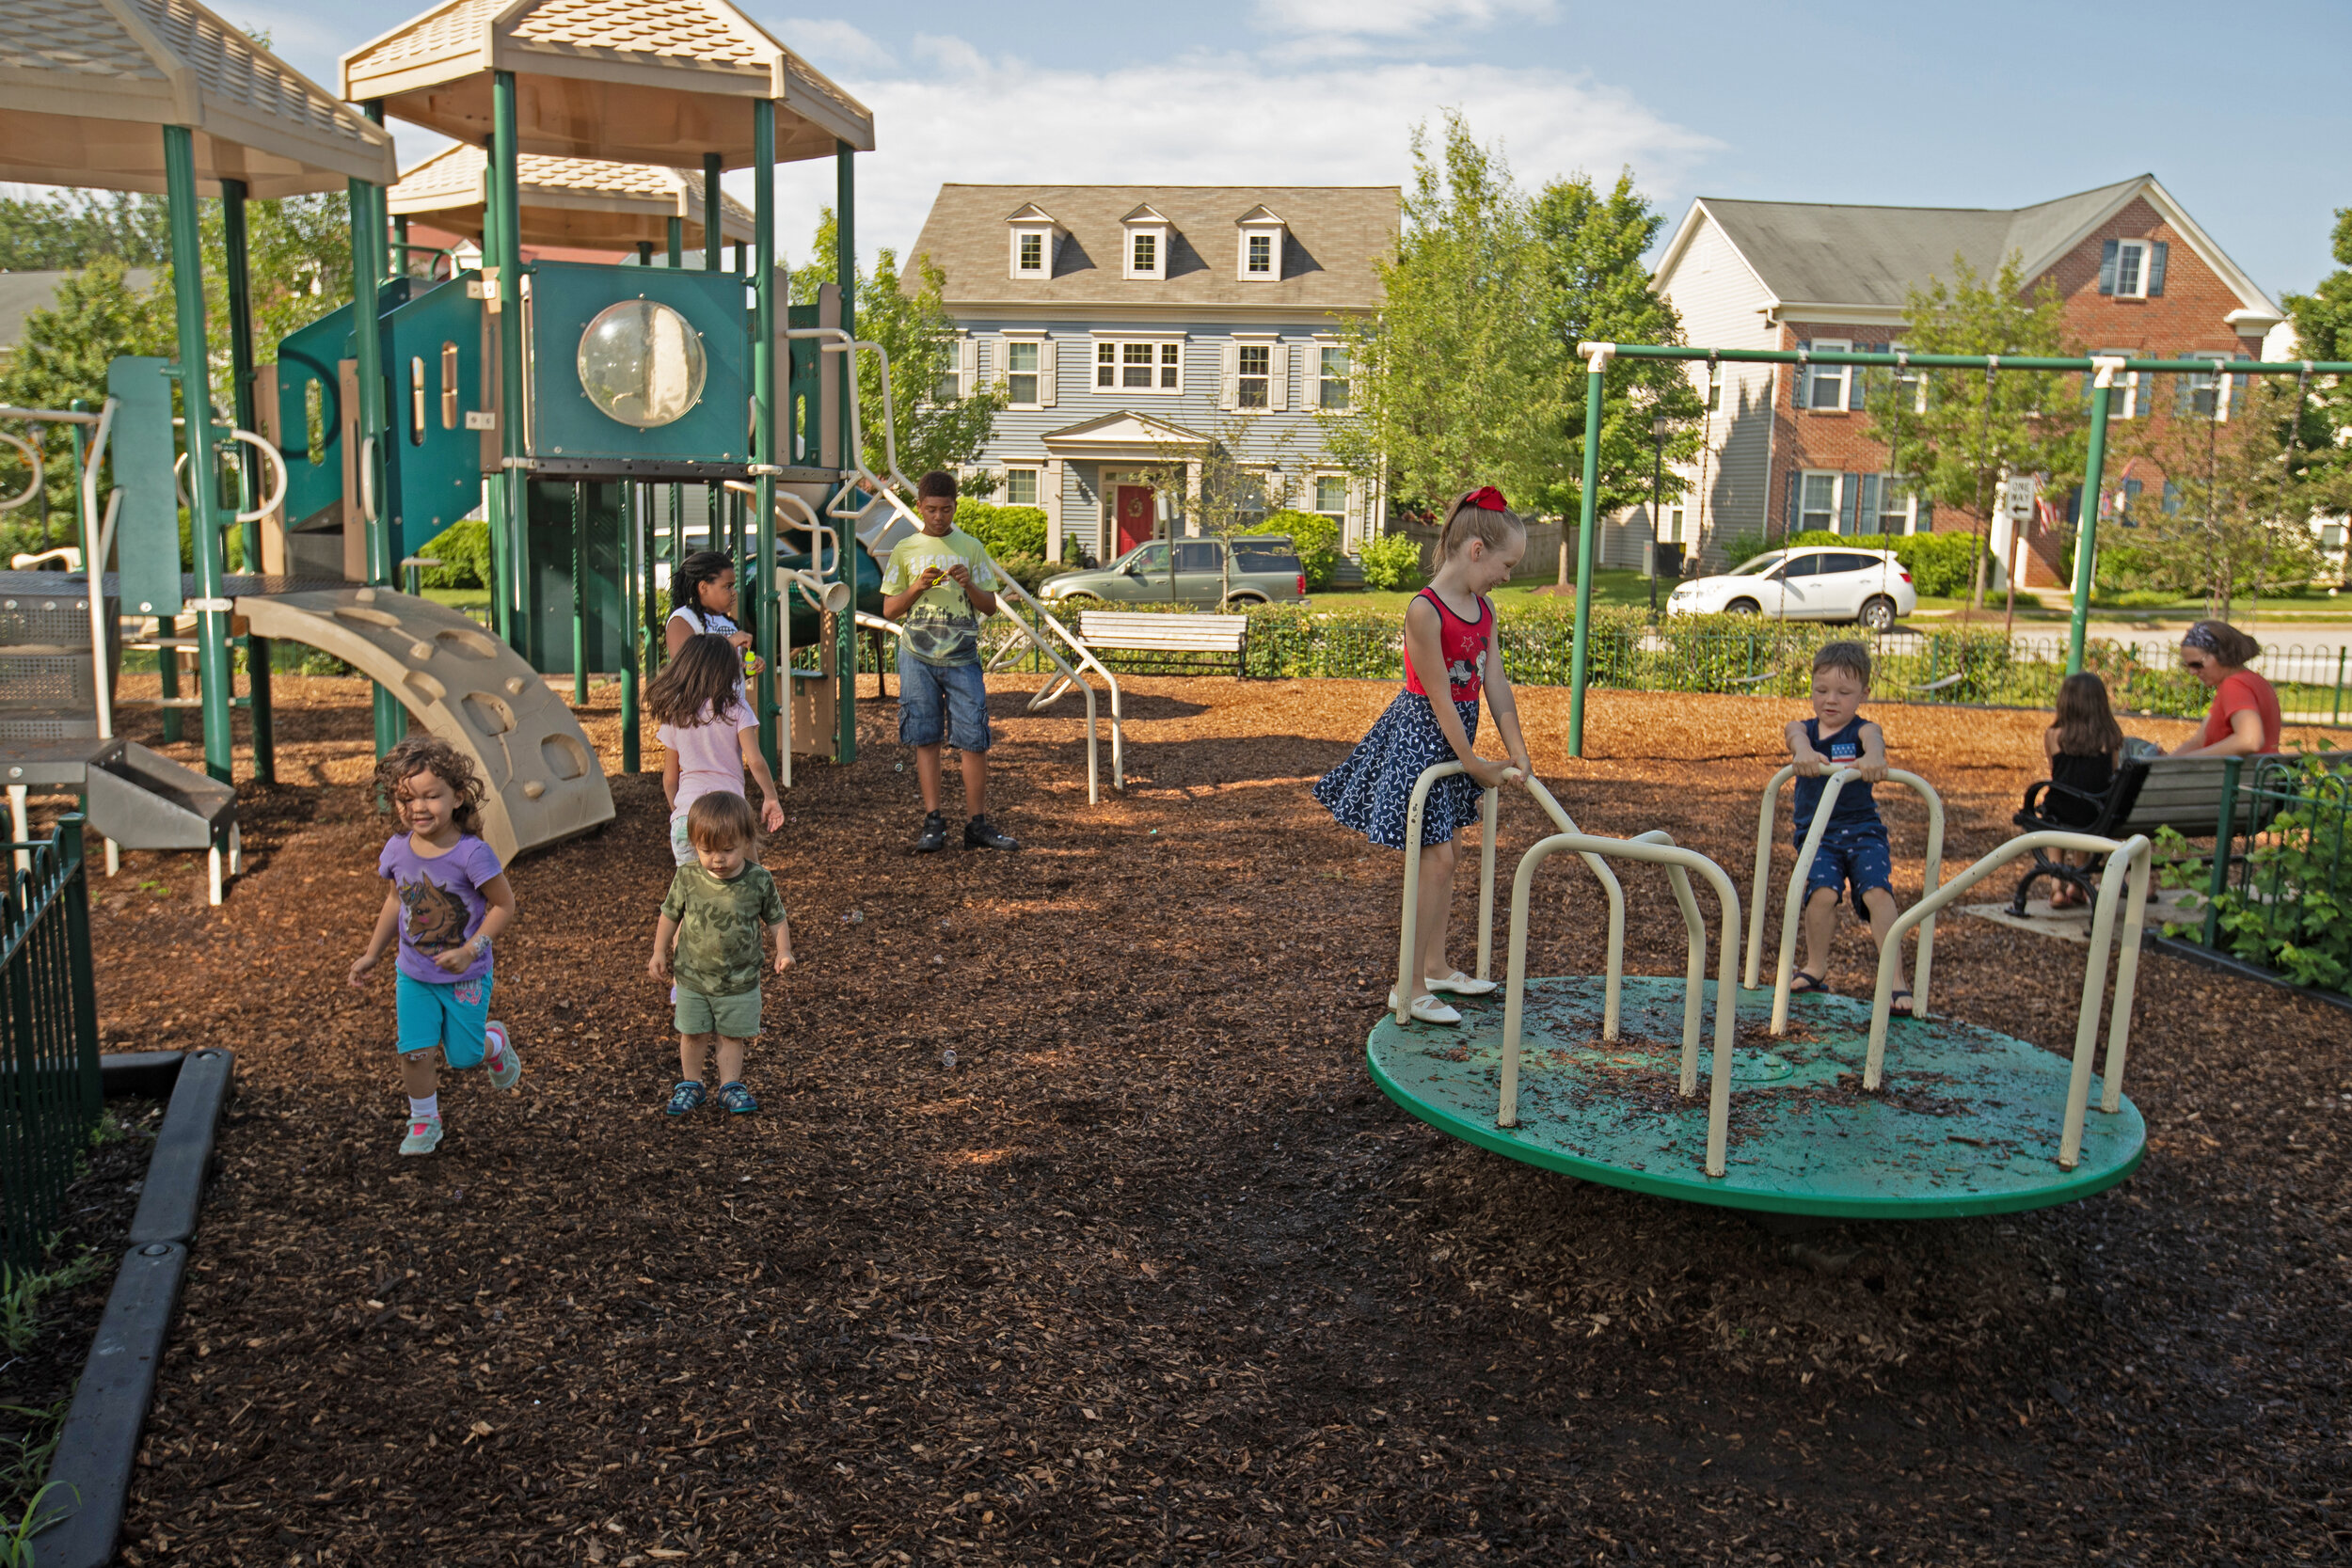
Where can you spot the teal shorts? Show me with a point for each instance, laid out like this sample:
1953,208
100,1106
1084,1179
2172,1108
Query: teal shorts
735,1018
453,1017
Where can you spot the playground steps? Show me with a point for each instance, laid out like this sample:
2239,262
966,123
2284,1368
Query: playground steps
469,689
140,799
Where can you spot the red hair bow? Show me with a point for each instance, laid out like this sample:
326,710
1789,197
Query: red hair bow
1488,499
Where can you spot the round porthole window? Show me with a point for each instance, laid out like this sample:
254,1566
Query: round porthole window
642,363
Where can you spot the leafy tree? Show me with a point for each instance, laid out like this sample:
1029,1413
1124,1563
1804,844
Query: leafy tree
1221,492
1453,383
914,329
2322,330
42,234
2236,517
1596,289
1972,428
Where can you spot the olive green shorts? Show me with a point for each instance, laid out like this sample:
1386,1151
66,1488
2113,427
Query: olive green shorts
735,1018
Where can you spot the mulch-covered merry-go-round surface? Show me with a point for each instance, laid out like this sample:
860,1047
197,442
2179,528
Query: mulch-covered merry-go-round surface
1153,1275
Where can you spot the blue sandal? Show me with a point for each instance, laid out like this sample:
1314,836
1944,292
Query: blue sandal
737,1099
1802,984
688,1096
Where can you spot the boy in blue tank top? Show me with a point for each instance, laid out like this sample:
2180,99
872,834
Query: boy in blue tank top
1854,852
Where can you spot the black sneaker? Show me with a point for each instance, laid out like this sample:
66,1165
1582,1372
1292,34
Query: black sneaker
934,834
978,835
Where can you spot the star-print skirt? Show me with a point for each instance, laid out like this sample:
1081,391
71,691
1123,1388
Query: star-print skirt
1373,789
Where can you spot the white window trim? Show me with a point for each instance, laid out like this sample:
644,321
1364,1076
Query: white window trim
1275,232
1116,341
1811,380
1871,524
1045,236
1836,497
1310,383
1158,270
1007,337
1036,473
2225,387
2123,248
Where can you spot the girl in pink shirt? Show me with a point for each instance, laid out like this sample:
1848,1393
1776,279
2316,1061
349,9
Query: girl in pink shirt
712,736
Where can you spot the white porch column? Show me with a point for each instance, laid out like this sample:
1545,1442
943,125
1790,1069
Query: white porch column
1191,495
1053,508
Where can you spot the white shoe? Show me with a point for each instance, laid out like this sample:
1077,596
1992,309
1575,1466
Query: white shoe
1428,1009
499,1057
424,1135
1459,984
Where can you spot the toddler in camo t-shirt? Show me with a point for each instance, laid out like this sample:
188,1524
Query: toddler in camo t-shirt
720,904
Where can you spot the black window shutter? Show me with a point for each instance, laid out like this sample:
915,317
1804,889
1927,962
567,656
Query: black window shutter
2156,250
1788,522
1849,504
1855,374
2106,266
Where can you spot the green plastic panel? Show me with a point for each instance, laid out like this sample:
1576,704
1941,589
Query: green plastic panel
570,434
598,541
308,357
432,358
142,451
1968,1121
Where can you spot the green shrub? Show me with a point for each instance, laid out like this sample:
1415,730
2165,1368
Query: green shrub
464,550
1030,571
1741,548
1006,531
1393,562
1941,565
1314,536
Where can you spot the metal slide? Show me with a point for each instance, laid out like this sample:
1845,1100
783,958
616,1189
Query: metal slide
468,687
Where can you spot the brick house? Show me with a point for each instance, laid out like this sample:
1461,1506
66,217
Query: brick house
1788,447
1133,322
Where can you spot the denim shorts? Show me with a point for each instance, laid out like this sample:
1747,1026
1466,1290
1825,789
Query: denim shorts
941,701
1853,855
452,1016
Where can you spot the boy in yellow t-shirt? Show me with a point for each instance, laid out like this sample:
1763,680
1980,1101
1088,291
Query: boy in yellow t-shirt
938,585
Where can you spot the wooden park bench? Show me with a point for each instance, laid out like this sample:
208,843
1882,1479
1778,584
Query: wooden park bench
1167,645
2148,794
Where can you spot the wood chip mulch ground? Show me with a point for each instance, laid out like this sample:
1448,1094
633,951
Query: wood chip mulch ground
1153,1275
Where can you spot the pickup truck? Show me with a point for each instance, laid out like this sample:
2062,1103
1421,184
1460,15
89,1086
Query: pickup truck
1265,571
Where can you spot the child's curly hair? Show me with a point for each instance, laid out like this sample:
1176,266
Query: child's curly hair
430,754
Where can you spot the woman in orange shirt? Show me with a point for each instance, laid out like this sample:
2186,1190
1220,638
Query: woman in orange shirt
2244,719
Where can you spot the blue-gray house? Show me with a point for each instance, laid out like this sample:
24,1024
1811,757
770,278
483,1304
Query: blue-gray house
1133,325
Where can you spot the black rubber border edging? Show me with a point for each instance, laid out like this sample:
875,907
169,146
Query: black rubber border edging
2205,958
100,1439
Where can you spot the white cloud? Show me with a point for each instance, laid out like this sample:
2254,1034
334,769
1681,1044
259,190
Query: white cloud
1392,19
1208,120
833,45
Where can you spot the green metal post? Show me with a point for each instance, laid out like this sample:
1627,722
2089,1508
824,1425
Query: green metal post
768,639
580,593
505,248
503,528
238,276
628,626
764,158
845,537
400,245
677,244
1582,648
367,263
80,976
2219,880
2336,715
2087,527
196,407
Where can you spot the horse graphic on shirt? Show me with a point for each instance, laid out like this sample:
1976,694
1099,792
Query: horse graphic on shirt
437,917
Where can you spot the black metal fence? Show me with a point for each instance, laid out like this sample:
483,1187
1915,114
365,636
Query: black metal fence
49,1085
2278,894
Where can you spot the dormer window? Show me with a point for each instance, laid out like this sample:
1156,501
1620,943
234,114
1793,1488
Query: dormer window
1147,243
1036,239
1261,234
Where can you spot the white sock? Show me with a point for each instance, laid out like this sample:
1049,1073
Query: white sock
429,1106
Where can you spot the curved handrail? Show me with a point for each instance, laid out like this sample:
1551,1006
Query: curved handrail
1681,861
32,461
97,538
267,448
808,522
1535,786
2134,854
1793,905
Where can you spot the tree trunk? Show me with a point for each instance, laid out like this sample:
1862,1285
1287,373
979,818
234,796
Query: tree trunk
1976,533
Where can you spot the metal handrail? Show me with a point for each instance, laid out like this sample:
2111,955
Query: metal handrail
1680,862
97,538
1793,905
2134,854
1409,924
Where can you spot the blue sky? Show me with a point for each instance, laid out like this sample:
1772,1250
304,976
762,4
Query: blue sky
2239,109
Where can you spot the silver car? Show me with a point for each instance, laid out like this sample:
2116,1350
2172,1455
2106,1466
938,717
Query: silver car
1265,571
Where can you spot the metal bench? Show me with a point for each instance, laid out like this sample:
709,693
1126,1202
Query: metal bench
2148,795
1167,645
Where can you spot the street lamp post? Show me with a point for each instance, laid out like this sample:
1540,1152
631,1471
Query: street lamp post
1660,430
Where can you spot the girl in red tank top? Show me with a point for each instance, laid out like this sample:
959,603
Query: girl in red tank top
1450,642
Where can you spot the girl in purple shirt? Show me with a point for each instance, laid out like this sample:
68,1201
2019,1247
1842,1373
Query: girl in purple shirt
449,898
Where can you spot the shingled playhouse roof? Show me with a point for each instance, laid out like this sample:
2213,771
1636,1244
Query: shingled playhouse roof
632,81
566,202
85,87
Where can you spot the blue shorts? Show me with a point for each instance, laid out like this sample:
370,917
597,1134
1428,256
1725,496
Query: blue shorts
941,701
1852,854
453,1017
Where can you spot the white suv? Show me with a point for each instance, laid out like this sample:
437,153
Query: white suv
1807,583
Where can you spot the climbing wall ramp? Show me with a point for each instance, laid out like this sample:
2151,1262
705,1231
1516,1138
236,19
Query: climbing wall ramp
468,687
